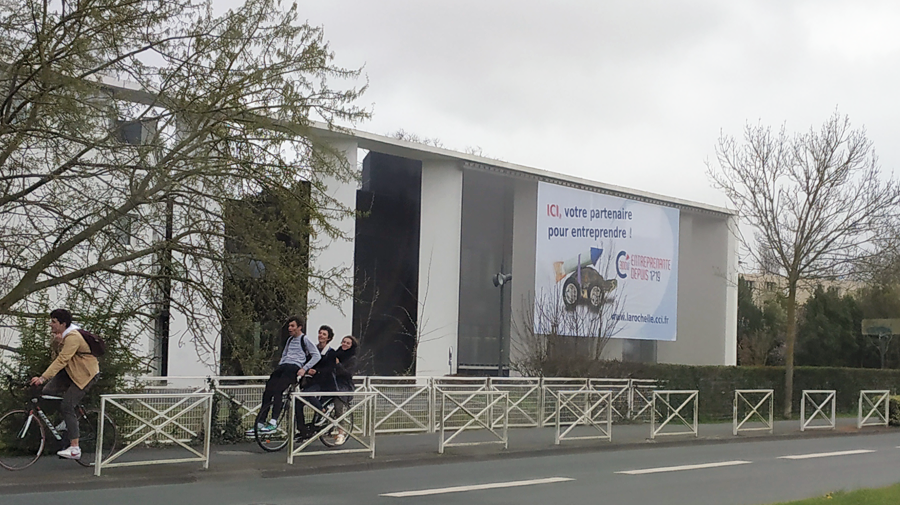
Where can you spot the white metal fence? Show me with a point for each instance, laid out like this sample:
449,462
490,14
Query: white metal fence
462,410
405,404
820,400
184,411
161,417
747,405
408,404
589,408
664,407
356,424
876,405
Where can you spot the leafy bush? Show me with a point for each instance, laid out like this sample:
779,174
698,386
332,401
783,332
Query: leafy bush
116,328
894,418
716,384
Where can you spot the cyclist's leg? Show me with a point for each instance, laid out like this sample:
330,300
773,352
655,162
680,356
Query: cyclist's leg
287,376
314,401
56,386
341,402
71,398
275,386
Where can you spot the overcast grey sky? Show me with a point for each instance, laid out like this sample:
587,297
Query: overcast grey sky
633,93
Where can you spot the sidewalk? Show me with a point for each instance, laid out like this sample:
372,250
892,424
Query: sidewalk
248,461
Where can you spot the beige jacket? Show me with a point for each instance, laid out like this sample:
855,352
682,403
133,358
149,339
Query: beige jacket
74,355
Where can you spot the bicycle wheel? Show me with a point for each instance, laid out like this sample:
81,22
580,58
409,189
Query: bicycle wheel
275,440
331,439
87,425
21,440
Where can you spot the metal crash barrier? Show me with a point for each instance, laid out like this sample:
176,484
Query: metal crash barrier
362,432
663,400
472,410
159,417
747,403
819,400
874,403
589,408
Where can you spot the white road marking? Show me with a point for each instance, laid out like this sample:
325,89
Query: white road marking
827,454
477,487
684,467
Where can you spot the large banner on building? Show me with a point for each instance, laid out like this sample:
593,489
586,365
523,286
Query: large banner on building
605,266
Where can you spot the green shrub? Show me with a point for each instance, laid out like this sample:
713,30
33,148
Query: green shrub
894,418
716,384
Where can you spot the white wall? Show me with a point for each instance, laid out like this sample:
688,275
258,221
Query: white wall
439,257
523,259
334,259
707,294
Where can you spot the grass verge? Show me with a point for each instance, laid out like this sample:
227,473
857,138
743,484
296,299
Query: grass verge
882,496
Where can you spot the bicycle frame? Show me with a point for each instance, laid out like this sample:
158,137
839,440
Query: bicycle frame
35,411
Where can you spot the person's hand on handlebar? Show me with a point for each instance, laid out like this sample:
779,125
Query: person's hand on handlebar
301,372
37,381
311,372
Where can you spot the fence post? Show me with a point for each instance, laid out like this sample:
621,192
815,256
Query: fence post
432,405
98,457
803,411
541,419
630,398
209,413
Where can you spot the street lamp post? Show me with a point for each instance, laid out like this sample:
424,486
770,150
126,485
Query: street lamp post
500,279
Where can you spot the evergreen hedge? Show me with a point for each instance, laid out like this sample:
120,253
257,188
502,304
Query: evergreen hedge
716,384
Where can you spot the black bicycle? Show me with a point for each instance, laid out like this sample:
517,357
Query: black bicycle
275,440
23,432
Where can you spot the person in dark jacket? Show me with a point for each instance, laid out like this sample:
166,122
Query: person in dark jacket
320,377
344,368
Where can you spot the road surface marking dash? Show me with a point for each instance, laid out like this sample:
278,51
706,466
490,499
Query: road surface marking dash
476,487
683,467
826,454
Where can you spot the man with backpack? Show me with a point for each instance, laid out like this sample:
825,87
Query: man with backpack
74,370
299,355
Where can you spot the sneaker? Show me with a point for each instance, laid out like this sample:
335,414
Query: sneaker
70,453
267,428
321,420
340,439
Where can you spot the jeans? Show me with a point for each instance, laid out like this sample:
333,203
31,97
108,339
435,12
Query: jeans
342,402
314,401
61,385
282,378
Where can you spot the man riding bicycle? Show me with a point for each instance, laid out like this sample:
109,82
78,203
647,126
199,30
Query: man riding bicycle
73,371
299,355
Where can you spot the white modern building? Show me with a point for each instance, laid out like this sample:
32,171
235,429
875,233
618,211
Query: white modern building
436,225
656,274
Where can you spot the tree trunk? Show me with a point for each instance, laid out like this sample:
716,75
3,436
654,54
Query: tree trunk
789,339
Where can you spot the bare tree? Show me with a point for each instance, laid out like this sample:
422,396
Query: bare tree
558,339
816,201
128,126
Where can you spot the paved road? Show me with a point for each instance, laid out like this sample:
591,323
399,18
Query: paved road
753,473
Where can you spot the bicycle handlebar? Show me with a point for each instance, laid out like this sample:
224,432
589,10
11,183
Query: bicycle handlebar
13,386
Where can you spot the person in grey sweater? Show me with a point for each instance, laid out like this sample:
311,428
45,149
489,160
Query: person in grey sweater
300,354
